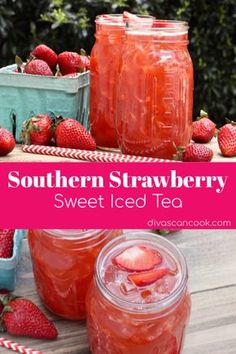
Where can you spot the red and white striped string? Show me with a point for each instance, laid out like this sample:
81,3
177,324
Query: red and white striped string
8,344
85,155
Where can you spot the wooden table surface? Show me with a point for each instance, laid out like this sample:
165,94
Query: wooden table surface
212,281
18,156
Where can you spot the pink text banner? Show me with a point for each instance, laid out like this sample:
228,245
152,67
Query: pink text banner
118,195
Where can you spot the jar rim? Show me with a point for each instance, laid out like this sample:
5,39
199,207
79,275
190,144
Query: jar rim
140,237
72,233
160,28
106,19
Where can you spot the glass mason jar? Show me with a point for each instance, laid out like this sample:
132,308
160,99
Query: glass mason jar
105,59
149,317
63,265
155,90
104,65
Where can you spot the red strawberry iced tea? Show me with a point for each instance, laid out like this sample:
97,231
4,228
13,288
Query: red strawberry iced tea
105,58
63,265
138,302
154,107
104,65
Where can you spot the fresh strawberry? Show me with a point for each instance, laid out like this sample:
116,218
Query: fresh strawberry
138,259
45,53
70,62
147,278
6,243
38,130
70,133
203,129
38,67
227,139
196,152
7,142
21,317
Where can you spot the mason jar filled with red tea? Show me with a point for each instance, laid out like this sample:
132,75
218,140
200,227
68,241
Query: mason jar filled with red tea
63,265
140,283
104,67
155,90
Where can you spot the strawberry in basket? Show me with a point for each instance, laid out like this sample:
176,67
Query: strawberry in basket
45,53
6,243
72,62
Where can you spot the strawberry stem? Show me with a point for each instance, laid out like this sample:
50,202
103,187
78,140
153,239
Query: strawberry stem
203,114
19,64
83,52
228,121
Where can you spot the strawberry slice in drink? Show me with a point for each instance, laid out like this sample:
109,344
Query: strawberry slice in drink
137,259
150,277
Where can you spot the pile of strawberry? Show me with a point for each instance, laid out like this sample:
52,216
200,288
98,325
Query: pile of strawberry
21,317
44,61
203,131
62,132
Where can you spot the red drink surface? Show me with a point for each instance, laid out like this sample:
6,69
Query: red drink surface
63,267
154,107
105,60
136,321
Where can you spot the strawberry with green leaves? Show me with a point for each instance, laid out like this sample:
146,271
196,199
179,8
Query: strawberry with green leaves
203,129
21,317
70,133
6,243
7,142
38,130
227,139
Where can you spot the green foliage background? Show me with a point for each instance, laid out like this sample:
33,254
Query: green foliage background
69,25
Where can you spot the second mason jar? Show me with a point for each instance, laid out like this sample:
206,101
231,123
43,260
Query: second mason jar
140,283
63,265
155,90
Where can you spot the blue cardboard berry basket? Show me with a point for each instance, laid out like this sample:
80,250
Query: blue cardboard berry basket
25,95
8,266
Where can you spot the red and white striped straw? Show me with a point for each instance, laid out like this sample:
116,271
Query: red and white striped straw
17,347
85,155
